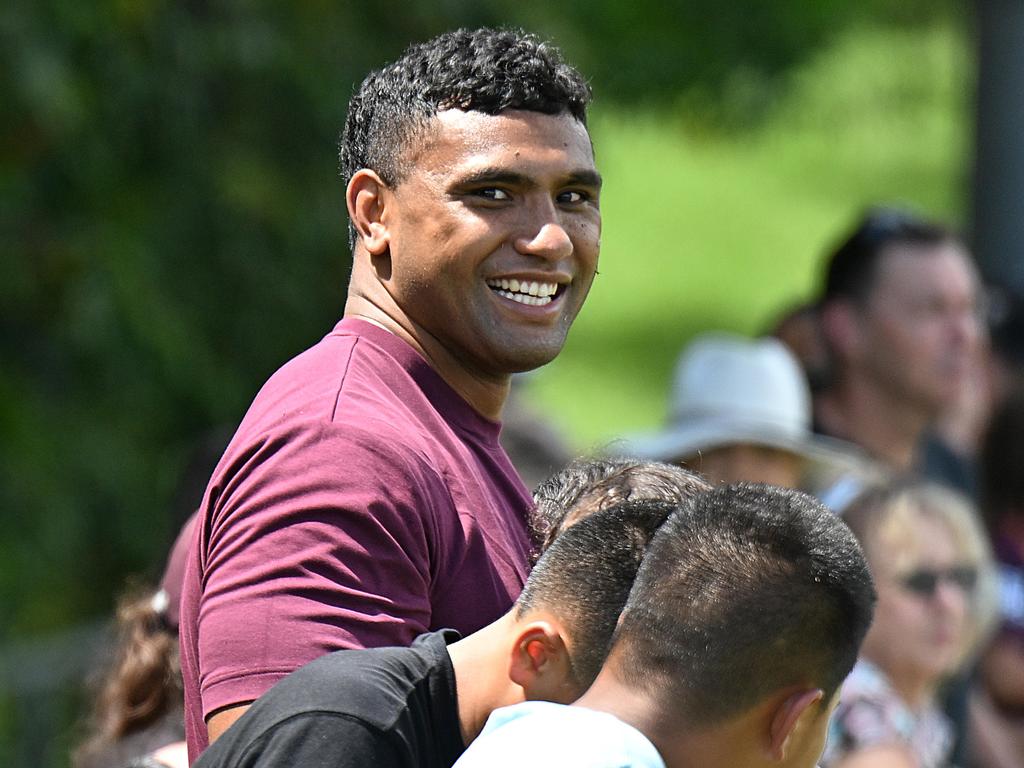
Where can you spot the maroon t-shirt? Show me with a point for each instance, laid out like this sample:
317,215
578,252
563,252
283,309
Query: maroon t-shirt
361,503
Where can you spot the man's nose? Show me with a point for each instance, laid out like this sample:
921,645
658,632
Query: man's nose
543,235
551,241
964,332
965,327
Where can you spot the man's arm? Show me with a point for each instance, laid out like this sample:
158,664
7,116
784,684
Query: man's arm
312,548
223,719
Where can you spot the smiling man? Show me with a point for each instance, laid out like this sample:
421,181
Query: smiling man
365,499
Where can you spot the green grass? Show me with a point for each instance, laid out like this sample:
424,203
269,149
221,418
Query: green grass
724,233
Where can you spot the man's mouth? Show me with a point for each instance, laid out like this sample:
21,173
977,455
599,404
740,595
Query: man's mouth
532,293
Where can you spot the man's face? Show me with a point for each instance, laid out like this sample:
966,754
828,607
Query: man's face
748,462
494,235
920,326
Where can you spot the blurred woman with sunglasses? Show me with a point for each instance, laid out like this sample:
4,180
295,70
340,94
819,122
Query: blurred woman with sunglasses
933,574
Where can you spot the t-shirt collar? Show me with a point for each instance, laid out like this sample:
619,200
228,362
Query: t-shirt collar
458,412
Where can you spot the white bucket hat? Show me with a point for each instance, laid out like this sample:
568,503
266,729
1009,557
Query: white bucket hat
729,390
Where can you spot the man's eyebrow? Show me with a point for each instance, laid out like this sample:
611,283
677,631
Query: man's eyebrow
491,175
495,176
586,178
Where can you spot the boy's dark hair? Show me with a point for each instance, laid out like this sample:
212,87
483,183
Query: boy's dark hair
482,70
746,590
851,269
585,576
588,485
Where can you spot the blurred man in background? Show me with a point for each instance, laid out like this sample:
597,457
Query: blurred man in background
900,315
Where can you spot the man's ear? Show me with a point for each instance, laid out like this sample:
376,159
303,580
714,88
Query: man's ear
366,198
840,325
539,663
794,713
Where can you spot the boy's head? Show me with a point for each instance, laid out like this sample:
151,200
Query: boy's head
586,486
751,601
580,584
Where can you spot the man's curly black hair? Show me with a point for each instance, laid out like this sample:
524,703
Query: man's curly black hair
481,70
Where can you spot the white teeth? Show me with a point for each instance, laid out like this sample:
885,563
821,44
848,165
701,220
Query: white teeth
522,298
525,292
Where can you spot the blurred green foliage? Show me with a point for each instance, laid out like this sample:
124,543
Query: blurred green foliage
173,228
727,231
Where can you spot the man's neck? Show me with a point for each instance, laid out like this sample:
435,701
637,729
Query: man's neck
611,695
727,745
486,395
482,684
858,411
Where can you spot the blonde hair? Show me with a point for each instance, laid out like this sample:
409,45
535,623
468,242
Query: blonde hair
890,514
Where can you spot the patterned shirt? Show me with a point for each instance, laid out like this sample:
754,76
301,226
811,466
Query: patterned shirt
872,714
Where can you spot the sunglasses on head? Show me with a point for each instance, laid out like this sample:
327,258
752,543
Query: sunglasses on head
925,582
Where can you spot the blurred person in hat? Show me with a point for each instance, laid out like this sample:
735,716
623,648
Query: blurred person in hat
741,411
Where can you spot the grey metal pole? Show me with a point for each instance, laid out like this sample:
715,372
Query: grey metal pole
997,230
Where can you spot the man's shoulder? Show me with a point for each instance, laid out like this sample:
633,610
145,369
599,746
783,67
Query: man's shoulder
358,378
345,397
311,381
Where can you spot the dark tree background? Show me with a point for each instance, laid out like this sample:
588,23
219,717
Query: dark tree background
173,229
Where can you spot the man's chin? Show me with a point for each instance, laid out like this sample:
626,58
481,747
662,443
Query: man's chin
528,357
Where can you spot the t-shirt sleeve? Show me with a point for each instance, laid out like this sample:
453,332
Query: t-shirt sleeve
315,740
317,540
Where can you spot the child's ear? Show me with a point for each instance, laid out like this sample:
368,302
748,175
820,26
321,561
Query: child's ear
539,663
793,714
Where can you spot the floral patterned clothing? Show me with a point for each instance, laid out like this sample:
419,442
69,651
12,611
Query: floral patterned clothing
870,713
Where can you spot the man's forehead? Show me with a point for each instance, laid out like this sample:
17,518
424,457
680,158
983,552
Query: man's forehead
460,136
910,266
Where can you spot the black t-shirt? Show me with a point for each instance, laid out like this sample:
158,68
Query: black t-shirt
377,707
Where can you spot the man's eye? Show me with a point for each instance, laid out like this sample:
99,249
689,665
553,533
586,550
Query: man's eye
572,196
493,193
